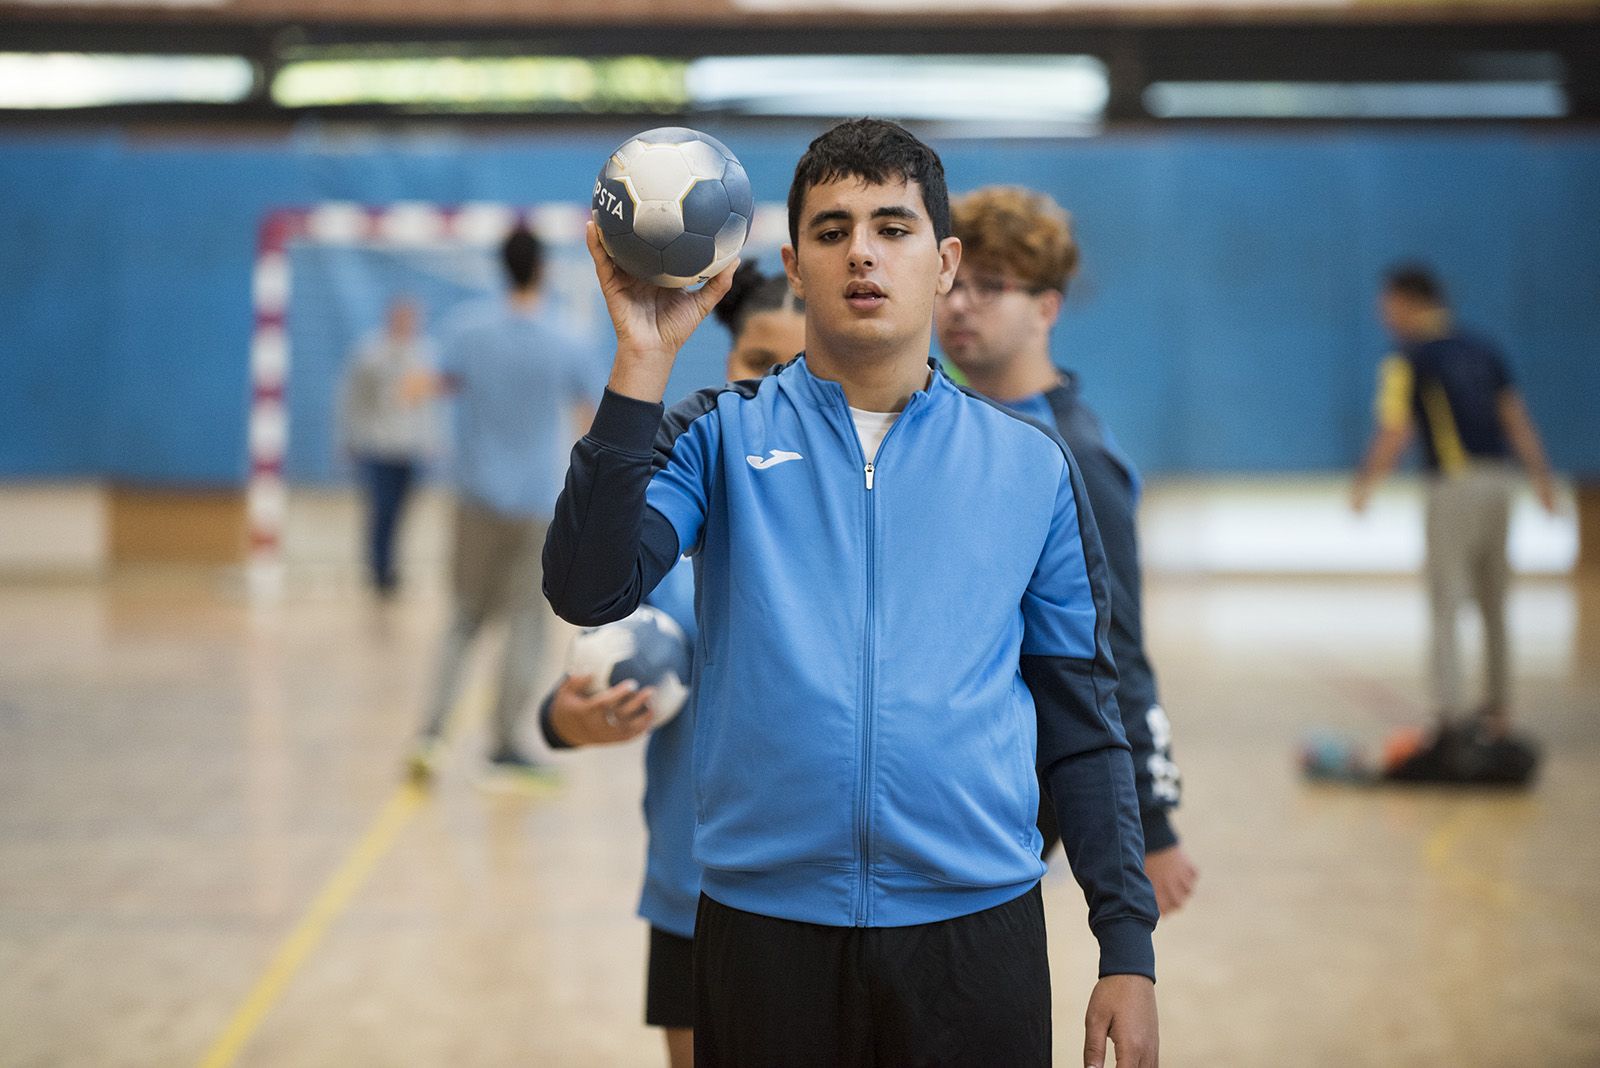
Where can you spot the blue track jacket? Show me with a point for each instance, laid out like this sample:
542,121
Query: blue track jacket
886,651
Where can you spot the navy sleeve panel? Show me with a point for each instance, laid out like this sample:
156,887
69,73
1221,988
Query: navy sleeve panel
546,727
1111,494
686,460
1083,754
605,549
1089,776
1159,833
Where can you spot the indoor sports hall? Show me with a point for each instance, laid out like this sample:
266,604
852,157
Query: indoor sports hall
223,840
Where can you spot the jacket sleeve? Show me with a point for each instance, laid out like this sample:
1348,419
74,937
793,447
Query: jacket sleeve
1155,775
606,547
547,726
1083,755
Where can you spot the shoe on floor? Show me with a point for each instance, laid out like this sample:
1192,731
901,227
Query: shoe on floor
509,768
422,766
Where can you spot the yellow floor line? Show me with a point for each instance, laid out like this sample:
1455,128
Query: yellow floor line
330,902
1442,841
402,805
1440,851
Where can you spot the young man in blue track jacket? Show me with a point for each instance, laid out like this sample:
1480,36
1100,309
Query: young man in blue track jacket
903,611
1017,256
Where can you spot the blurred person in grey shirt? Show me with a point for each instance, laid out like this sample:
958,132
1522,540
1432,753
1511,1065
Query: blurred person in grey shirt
388,427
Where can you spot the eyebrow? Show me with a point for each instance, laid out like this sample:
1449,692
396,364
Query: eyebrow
893,211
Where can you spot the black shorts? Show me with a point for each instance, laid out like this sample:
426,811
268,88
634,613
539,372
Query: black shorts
974,991
669,981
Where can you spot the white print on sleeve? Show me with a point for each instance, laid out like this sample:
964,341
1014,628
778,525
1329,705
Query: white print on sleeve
1166,782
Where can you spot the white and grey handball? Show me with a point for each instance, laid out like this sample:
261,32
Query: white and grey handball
647,647
673,206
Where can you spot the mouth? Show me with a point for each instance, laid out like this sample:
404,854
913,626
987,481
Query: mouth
864,296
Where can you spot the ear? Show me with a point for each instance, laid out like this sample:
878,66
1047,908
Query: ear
949,263
1050,302
791,267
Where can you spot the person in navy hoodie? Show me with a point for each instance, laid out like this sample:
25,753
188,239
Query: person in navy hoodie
1017,256
768,326
903,609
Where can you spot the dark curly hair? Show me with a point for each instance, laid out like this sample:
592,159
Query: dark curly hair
874,151
753,293
522,256
1414,280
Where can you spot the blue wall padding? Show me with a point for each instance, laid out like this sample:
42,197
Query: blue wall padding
1223,320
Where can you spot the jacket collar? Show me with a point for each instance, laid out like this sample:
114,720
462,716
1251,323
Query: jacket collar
796,378
1065,393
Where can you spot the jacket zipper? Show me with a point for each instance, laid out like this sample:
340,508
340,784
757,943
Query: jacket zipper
863,916
869,682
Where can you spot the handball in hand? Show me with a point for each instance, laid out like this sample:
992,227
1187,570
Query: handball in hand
673,206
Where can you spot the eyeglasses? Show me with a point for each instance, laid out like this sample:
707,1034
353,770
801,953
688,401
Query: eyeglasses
985,291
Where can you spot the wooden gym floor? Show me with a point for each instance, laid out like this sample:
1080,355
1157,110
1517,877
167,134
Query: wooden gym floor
207,855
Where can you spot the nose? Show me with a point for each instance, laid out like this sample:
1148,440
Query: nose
861,255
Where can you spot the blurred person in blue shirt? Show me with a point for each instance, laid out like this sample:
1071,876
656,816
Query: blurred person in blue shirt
524,388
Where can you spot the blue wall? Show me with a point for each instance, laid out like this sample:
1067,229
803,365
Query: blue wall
1223,320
